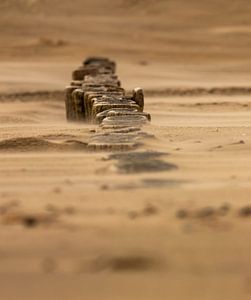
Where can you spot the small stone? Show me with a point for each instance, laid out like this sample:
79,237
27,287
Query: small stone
3,209
143,62
224,209
133,215
70,210
104,187
51,208
245,211
57,190
150,209
49,265
181,214
68,181
205,212
30,221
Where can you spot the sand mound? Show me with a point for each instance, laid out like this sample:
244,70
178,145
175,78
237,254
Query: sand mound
125,263
200,91
56,6
38,144
26,144
32,96
16,120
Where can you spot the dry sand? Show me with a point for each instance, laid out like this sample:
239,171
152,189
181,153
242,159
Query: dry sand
173,223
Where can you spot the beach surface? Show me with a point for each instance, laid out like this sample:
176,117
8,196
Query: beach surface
172,219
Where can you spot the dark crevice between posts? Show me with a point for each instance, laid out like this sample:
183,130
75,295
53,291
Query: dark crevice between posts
95,95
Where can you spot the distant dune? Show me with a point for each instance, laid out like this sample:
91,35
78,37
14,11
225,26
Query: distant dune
196,30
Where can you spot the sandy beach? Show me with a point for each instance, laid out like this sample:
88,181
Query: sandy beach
170,219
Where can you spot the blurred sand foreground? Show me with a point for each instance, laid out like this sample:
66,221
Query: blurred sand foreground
81,225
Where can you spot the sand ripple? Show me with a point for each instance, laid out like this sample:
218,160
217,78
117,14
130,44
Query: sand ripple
27,144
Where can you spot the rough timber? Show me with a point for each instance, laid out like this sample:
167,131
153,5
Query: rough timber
95,95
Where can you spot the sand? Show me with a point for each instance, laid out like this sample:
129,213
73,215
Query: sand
170,221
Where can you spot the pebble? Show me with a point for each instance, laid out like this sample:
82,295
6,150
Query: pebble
205,212
245,211
181,214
